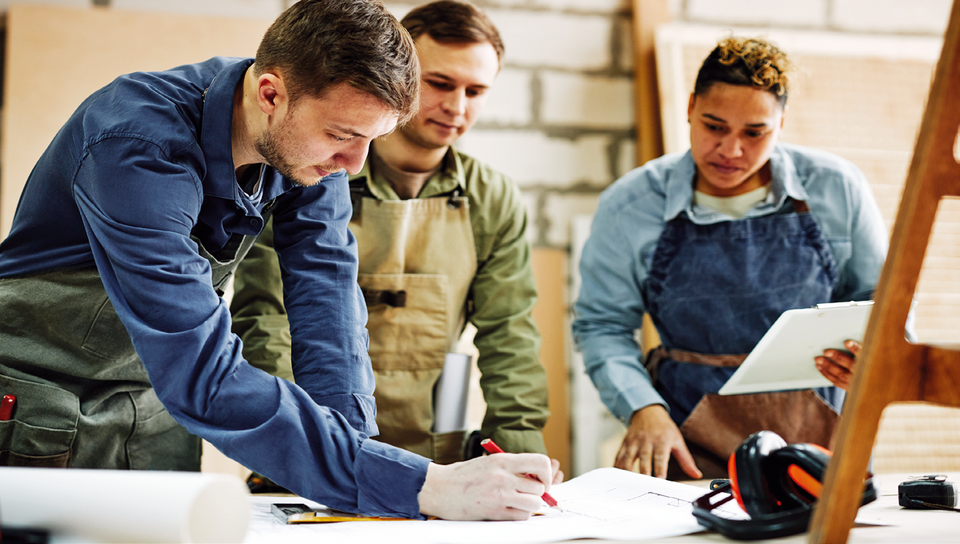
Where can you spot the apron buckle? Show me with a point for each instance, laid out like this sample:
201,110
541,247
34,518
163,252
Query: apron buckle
396,299
455,202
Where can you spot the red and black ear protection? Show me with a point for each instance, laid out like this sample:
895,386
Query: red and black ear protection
776,484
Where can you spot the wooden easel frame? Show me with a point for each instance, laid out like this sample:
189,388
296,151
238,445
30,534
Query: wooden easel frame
889,368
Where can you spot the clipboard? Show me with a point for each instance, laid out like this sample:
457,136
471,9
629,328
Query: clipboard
783,359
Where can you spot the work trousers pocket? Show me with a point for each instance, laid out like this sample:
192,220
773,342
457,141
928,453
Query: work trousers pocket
158,442
43,427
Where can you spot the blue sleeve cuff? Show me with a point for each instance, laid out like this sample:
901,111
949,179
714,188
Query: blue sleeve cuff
632,399
389,480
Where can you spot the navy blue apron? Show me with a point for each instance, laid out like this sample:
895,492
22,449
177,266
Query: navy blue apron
713,291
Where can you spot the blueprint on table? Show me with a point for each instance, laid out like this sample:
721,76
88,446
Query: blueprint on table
605,503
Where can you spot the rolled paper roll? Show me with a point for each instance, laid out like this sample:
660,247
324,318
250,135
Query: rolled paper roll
125,505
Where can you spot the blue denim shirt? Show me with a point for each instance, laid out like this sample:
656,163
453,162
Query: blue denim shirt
631,215
140,171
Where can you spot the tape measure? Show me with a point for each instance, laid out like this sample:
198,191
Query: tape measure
932,492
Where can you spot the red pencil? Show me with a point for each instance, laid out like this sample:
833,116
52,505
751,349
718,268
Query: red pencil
491,447
6,407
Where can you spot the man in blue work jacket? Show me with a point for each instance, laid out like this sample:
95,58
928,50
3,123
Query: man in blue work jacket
113,336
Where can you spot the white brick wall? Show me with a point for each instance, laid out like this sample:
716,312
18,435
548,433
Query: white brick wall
900,16
539,38
511,99
267,9
627,158
531,203
590,6
534,159
560,209
787,13
589,101
4,4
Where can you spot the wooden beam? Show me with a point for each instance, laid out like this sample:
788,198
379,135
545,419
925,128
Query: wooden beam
550,316
647,16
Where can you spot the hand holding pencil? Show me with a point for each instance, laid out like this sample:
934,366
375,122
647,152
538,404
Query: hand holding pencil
492,448
492,487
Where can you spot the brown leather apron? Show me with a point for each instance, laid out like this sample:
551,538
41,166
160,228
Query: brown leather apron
719,423
417,261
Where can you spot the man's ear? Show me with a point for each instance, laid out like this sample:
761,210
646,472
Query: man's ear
693,98
271,94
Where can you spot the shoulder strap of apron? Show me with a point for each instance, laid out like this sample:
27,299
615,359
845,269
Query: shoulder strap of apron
358,190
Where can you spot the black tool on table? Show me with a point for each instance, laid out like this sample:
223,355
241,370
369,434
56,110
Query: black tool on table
10,535
932,492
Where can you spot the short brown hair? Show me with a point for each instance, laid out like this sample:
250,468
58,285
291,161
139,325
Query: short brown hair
453,21
318,44
751,62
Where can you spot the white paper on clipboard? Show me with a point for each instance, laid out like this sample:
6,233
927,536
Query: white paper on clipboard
783,359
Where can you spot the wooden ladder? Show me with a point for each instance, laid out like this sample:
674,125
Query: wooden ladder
889,368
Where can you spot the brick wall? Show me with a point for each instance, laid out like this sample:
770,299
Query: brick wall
577,136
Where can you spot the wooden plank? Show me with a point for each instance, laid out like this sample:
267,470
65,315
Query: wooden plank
647,16
550,314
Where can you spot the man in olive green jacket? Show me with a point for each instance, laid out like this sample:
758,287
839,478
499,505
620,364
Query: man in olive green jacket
442,241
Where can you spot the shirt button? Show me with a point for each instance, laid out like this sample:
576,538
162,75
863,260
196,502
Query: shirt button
255,222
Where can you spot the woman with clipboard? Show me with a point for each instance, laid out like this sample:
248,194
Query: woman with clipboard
715,244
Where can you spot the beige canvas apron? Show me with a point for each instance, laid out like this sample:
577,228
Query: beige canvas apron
417,261
712,434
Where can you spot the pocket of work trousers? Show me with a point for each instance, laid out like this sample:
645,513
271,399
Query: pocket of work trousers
43,426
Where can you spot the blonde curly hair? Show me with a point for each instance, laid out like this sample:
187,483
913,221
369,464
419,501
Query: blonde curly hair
752,62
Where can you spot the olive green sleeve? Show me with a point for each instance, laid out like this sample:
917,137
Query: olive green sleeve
259,318
503,294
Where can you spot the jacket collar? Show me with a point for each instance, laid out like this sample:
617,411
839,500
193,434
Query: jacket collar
450,176
215,134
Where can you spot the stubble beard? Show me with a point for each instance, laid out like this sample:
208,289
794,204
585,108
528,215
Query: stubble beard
269,148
